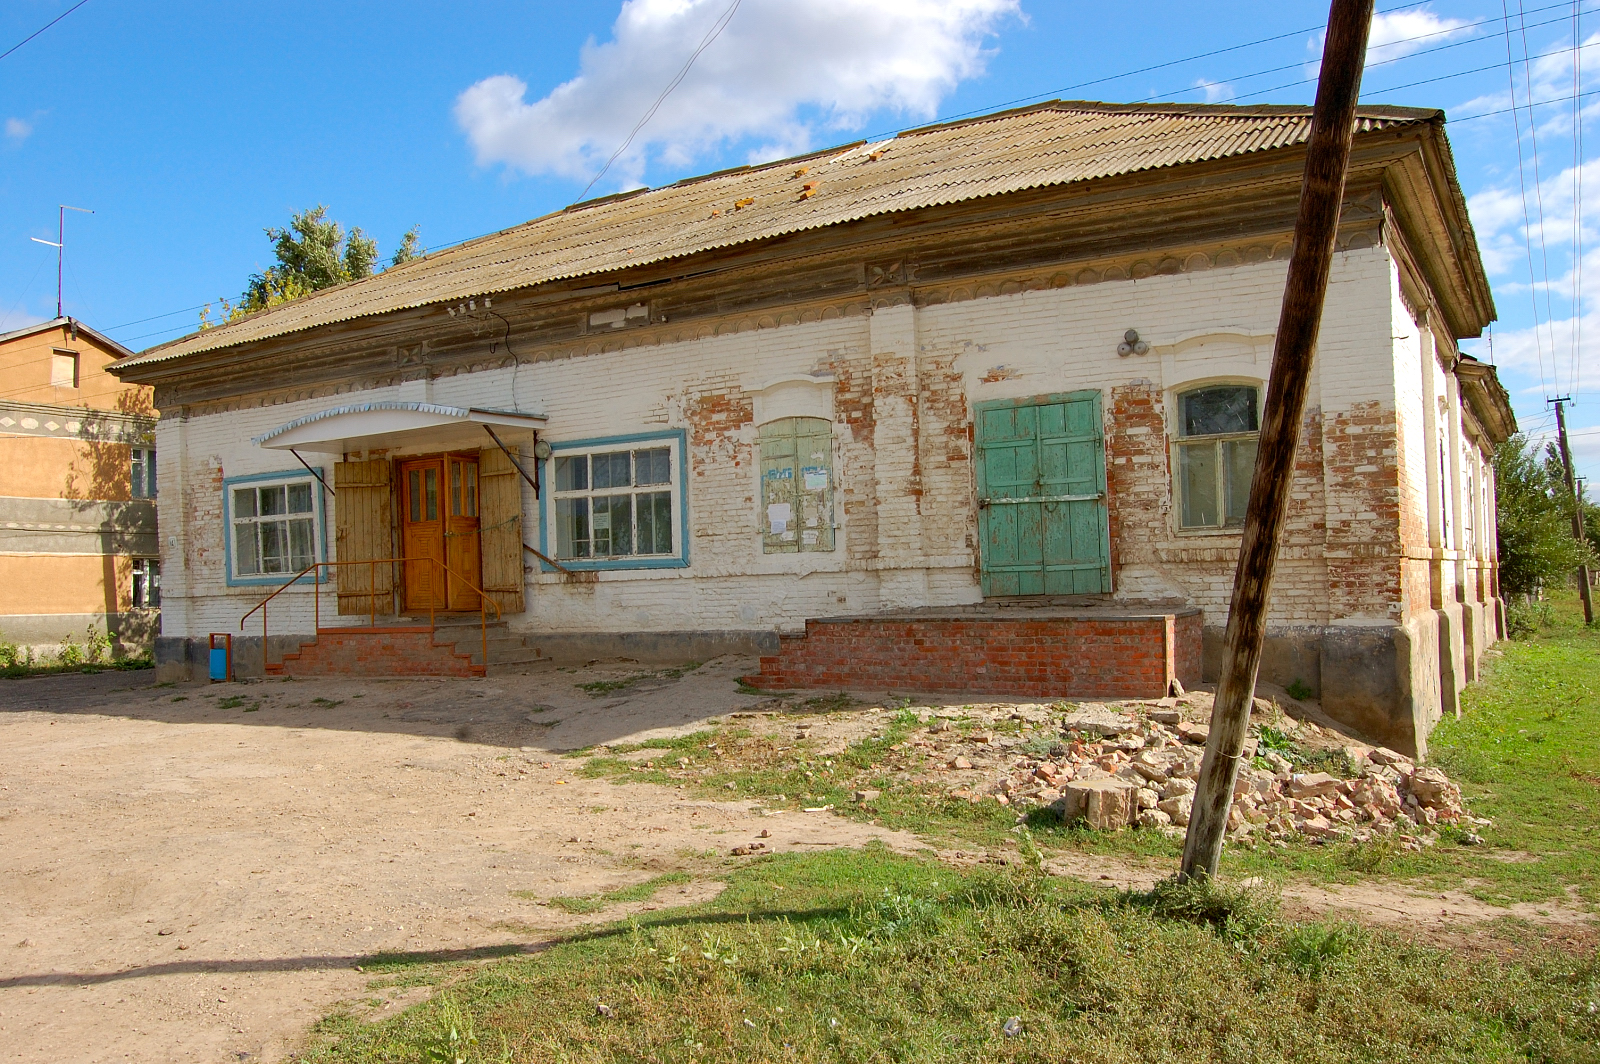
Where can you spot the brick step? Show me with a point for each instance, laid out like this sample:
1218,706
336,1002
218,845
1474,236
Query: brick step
1053,654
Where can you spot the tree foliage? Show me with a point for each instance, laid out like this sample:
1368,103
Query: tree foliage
313,252
1534,516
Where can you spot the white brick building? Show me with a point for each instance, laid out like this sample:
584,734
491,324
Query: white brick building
880,378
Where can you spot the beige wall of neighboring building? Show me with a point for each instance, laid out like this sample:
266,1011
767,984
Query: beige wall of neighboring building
73,526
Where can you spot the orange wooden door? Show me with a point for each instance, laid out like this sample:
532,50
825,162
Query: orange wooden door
462,553
422,533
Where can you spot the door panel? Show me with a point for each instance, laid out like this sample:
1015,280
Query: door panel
422,528
1042,517
461,532
363,523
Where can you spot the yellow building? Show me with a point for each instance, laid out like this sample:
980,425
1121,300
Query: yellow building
78,545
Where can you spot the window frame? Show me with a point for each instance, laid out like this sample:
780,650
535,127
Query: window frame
143,459
1217,441
133,587
678,485
770,544
319,534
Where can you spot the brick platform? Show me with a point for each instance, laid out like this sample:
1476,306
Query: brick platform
1046,653
402,651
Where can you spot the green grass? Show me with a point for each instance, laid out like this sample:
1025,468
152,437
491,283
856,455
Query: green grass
601,688
593,903
865,956
19,670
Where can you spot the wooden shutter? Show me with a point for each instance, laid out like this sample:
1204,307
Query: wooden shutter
363,514
500,525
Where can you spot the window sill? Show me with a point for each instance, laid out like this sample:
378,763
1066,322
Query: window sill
275,580
581,565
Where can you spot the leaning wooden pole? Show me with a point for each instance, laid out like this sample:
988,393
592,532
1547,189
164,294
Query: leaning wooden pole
1321,190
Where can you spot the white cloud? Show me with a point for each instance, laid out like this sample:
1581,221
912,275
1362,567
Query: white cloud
780,72
18,130
1396,35
1215,91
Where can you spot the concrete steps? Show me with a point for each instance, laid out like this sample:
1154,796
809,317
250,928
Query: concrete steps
509,653
387,650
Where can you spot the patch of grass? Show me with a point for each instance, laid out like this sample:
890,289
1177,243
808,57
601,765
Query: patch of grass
22,669
327,703
866,956
593,903
1298,690
235,701
600,688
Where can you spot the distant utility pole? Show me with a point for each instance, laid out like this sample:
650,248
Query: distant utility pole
60,243
1333,119
1577,507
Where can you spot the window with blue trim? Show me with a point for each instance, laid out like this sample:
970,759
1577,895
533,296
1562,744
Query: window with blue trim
274,526
618,503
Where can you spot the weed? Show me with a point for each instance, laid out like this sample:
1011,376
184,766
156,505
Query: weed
1234,912
746,689
1298,690
834,703
1313,949
327,703
232,701
593,903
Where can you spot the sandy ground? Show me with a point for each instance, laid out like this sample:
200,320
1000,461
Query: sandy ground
180,881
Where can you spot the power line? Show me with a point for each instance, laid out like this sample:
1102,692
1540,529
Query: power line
1577,198
41,29
715,32
1522,181
722,22
1538,194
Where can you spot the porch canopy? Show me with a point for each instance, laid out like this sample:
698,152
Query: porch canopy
390,425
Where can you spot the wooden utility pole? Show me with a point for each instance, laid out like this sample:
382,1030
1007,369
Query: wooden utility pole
1577,510
1321,190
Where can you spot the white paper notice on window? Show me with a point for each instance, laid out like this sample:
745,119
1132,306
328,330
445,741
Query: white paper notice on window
779,514
816,480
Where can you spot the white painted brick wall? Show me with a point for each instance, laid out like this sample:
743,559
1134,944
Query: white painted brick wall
894,549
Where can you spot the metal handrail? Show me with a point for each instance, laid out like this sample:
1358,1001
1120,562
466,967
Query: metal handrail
372,599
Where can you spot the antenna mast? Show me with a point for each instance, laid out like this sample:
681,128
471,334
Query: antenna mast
60,244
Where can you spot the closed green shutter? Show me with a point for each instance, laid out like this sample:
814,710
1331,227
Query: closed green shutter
1042,519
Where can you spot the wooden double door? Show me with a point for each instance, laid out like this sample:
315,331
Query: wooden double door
439,523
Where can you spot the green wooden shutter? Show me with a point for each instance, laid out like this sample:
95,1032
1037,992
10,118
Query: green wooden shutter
1042,519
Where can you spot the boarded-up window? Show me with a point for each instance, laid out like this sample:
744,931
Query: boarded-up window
796,485
500,529
363,521
64,369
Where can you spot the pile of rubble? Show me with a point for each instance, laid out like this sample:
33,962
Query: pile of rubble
1130,764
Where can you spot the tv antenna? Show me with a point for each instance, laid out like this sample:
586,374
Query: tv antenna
60,244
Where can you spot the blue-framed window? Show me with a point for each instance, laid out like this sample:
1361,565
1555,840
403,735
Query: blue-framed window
274,527
620,502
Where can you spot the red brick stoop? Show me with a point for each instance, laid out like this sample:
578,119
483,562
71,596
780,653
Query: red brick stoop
1074,654
397,651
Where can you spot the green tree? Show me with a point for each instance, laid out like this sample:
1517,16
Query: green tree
313,252
409,247
1534,516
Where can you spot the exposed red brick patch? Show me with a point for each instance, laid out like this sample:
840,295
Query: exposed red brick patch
1049,657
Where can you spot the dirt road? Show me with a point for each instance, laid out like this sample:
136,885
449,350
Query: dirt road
193,873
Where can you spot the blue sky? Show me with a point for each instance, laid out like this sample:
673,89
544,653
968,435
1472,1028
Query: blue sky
189,127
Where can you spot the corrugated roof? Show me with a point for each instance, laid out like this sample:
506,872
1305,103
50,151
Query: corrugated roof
1049,144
